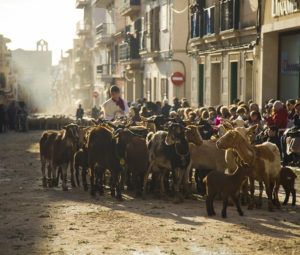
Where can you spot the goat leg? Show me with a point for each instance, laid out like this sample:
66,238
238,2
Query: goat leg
294,196
44,180
77,174
276,190
178,175
269,191
83,176
64,178
287,194
119,184
235,199
208,206
162,184
225,203
251,203
100,178
146,180
92,180
245,195
261,190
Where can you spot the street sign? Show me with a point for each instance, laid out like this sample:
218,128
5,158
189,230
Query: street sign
95,94
177,78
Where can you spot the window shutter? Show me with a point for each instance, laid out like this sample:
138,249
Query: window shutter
164,24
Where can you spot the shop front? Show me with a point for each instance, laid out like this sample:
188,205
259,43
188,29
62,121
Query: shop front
289,54
280,50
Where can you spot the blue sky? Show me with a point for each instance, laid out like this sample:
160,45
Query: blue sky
27,21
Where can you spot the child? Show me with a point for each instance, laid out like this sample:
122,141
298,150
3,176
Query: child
255,119
212,118
273,136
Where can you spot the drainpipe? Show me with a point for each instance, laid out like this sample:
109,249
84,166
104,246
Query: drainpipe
171,59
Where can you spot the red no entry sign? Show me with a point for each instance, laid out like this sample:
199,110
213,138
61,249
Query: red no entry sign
95,94
177,78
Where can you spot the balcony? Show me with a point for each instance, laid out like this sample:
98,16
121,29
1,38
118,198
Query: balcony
129,7
104,32
80,4
129,52
105,72
102,3
229,15
82,56
82,28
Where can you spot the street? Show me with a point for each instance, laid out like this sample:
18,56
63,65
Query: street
35,220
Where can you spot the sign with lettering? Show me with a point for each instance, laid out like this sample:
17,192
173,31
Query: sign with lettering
286,7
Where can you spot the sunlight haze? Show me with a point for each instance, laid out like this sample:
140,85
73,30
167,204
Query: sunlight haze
27,21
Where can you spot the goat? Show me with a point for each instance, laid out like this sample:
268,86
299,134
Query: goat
58,148
81,160
287,180
229,185
264,161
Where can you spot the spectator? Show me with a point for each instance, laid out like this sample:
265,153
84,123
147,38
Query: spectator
225,112
212,118
79,113
11,112
2,118
273,137
176,105
241,111
95,112
233,114
165,110
290,106
280,117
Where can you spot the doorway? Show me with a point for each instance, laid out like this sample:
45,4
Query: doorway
249,80
233,81
215,84
200,87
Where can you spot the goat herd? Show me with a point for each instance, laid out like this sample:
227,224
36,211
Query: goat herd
127,152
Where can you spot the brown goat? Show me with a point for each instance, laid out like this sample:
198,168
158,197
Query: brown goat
229,185
57,148
102,154
134,150
287,180
263,159
81,160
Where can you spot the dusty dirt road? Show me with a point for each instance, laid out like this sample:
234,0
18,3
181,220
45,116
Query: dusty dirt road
34,220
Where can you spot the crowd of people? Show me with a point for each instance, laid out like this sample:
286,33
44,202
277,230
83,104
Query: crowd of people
13,116
275,121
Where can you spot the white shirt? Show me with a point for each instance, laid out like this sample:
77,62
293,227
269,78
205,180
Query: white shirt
110,109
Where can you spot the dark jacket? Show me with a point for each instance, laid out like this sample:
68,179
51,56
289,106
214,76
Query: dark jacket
275,140
165,110
79,113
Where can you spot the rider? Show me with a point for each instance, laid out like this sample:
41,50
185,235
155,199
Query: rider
115,105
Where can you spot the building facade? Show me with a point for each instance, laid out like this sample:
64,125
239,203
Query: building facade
109,36
7,77
163,49
223,44
280,50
